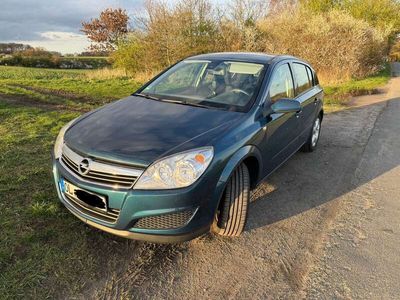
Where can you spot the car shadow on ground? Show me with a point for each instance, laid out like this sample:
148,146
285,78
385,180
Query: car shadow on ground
306,182
309,180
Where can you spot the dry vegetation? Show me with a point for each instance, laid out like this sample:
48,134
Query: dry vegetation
338,46
341,39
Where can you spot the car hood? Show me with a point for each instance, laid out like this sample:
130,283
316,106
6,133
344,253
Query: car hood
138,131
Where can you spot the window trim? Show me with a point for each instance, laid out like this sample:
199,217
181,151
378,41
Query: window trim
310,73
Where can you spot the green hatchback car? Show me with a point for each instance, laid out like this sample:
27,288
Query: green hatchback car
179,157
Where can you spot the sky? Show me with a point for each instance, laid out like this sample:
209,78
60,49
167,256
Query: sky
54,24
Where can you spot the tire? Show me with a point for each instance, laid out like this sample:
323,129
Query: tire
231,216
313,139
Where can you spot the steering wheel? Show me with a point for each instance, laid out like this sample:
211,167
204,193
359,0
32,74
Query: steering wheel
240,91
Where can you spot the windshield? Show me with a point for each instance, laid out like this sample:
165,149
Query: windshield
228,85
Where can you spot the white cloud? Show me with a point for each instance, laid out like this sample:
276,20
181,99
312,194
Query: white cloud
62,36
53,24
60,41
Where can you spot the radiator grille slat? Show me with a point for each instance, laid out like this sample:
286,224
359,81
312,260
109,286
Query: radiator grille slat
100,173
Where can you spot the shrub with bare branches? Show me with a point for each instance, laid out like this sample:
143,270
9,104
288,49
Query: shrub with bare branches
338,42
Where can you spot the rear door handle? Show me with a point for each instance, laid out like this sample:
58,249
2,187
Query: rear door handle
316,101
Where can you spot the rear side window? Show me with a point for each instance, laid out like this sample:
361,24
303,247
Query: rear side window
302,81
281,84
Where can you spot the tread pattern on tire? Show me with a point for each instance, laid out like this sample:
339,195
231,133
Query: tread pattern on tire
233,215
307,147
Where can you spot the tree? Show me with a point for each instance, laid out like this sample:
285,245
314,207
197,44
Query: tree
10,48
107,30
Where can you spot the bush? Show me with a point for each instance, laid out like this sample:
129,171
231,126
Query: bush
174,32
395,52
382,14
130,55
336,44
340,41
55,62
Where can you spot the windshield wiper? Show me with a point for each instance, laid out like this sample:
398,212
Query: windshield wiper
186,103
147,96
171,101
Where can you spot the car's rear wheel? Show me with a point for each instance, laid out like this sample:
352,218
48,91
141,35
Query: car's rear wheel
313,139
231,216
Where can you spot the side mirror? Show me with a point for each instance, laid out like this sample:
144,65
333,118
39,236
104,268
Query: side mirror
286,106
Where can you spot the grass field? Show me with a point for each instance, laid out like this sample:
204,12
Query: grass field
341,93
72,88
45,252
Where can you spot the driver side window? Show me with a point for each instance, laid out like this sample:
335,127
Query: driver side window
281,84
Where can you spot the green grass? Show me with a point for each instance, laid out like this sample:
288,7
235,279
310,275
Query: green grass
45,252
340,94
71,87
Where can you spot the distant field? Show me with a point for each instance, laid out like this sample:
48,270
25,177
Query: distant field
74,88
88,88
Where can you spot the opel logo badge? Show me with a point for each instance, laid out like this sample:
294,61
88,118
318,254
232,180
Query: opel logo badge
84,166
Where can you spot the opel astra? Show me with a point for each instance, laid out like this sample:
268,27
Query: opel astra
179,157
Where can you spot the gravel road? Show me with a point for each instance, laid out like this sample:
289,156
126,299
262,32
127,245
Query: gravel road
326,224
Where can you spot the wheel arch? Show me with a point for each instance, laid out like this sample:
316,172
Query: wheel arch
321,114
251,156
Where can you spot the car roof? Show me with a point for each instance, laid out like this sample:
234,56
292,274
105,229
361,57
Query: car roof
254,57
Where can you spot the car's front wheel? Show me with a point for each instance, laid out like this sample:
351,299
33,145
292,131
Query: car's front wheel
231,216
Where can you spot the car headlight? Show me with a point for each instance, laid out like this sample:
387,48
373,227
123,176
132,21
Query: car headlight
176,171
60,140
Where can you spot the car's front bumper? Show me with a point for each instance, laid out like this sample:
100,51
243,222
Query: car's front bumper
134,205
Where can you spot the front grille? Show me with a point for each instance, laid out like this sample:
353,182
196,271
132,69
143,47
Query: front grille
167,221
99,172
111,215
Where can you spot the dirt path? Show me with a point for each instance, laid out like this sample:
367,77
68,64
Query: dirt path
361,259
291,222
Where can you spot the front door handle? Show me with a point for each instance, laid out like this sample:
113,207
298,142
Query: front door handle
299,113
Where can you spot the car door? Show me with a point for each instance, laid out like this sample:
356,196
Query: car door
308,94
281,129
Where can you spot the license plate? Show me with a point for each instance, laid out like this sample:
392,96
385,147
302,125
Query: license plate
89,198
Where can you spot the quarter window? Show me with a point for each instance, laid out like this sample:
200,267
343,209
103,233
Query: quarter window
281,84
303,83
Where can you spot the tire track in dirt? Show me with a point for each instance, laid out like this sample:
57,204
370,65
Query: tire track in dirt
23,101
